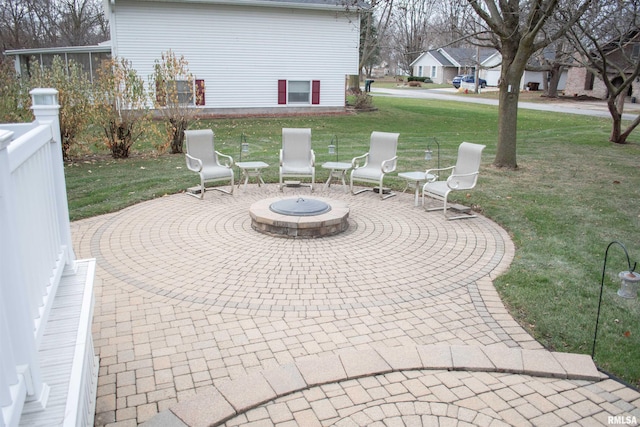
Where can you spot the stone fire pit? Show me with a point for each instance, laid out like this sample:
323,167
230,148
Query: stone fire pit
299,217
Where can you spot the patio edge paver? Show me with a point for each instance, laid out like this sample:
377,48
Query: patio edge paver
238,396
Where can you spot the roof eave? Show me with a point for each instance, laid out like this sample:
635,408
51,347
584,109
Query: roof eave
266,3
63,49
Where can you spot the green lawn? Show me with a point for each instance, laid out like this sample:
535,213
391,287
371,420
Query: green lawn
572,195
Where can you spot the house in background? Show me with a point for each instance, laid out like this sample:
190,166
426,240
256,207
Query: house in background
621,54
443,64
253,56
532,77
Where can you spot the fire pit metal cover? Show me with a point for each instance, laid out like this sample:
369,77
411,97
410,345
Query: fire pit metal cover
300,207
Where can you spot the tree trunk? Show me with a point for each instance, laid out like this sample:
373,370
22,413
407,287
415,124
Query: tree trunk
507,124
616,122
354,84
555,73
177,139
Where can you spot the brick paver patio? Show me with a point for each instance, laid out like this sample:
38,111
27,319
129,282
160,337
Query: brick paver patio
201,320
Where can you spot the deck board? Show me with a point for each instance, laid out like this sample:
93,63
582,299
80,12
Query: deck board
58,346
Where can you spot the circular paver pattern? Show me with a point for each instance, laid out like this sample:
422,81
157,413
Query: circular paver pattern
205,254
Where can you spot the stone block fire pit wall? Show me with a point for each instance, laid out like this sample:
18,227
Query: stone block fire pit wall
267,221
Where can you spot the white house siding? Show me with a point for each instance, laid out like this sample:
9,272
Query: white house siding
242,51
539,77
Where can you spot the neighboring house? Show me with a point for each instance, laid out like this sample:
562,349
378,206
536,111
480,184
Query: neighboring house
251,56
582,82
443,64
491,69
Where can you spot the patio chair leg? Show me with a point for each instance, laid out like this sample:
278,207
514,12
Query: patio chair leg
383,197
360,191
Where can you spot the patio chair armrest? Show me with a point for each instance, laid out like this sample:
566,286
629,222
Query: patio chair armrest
389,165
430,176
193,164
313,158
434,171
454,185
229,160
355,162
281,157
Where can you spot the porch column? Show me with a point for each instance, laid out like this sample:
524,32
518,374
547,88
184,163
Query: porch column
47,112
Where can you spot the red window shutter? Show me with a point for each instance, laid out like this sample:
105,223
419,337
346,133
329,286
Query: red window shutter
315,92
200,92
282,91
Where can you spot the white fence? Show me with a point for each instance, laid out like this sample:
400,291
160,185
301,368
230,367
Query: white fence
36,256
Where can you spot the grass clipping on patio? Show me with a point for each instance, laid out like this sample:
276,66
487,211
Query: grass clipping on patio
573,194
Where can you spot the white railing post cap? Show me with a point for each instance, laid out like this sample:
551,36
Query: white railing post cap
6,136
44,97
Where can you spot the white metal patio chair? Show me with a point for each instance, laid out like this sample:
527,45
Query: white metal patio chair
462,176
203,159
297,159
380,160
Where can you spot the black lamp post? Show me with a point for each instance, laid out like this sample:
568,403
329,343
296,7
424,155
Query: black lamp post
630,272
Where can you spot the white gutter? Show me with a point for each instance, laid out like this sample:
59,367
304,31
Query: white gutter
264,3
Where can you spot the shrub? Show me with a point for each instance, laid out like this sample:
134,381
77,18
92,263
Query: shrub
419,79
174,93
121,110
363,101
14,96
74,89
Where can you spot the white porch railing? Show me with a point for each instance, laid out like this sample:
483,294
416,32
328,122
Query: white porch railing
35,255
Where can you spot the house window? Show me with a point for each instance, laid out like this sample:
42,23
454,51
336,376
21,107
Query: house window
588,81
298,92
434,72
635,52
180,92
184,92
420,71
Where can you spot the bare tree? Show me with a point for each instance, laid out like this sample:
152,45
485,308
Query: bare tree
50,23
518,29
608,42
449,25
374,24
14,20
553,60
411,19
81,22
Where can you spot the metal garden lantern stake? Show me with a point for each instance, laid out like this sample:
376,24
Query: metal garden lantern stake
628,288
244,145
628,284
333,146
428,154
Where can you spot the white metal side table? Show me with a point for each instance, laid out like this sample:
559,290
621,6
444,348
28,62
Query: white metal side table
417,179
337,170
251,169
